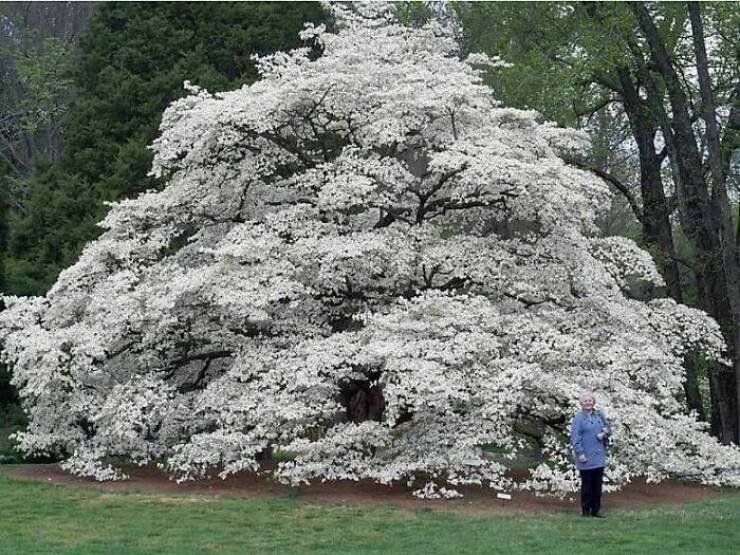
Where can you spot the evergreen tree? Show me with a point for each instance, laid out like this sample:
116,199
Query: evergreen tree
132,63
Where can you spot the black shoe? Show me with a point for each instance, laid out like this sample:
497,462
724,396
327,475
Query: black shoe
598,515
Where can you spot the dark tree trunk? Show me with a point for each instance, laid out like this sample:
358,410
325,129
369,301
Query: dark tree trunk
694,399
655,214
706,222
363,401
719,200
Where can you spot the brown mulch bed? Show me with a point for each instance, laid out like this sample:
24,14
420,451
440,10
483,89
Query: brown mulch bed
476,500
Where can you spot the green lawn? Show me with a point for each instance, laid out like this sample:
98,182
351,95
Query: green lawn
45,518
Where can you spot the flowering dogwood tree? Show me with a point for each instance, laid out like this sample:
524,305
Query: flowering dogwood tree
363,261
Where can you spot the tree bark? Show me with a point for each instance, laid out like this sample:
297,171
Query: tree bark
720,203
705,220
655,220
655,214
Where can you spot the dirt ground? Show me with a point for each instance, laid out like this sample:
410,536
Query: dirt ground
476,500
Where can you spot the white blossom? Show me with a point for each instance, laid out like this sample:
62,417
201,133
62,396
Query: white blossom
365,263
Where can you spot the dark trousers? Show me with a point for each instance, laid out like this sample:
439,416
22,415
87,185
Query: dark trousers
591,481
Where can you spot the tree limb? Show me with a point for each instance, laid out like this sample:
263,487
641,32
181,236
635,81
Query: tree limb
616,183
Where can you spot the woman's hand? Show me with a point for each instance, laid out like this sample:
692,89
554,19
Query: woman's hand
582,458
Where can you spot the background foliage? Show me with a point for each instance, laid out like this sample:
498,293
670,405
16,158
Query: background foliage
129,65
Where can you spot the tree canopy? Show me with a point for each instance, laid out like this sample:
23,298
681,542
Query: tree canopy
364,262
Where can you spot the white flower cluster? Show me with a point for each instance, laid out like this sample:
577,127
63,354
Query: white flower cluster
364,263
433,491
625,261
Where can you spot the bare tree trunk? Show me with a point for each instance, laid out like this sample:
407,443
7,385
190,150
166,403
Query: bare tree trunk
654,217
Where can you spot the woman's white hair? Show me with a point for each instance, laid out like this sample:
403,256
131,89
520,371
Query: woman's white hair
582,397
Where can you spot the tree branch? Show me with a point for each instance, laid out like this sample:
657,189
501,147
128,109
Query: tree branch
616,183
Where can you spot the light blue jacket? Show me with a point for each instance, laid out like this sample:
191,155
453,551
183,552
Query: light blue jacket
583,440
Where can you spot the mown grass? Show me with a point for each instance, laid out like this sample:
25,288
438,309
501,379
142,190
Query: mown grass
63,519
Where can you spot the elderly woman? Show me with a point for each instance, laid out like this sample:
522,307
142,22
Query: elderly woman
589,437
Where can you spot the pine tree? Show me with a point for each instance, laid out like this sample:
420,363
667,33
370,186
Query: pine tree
132,63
